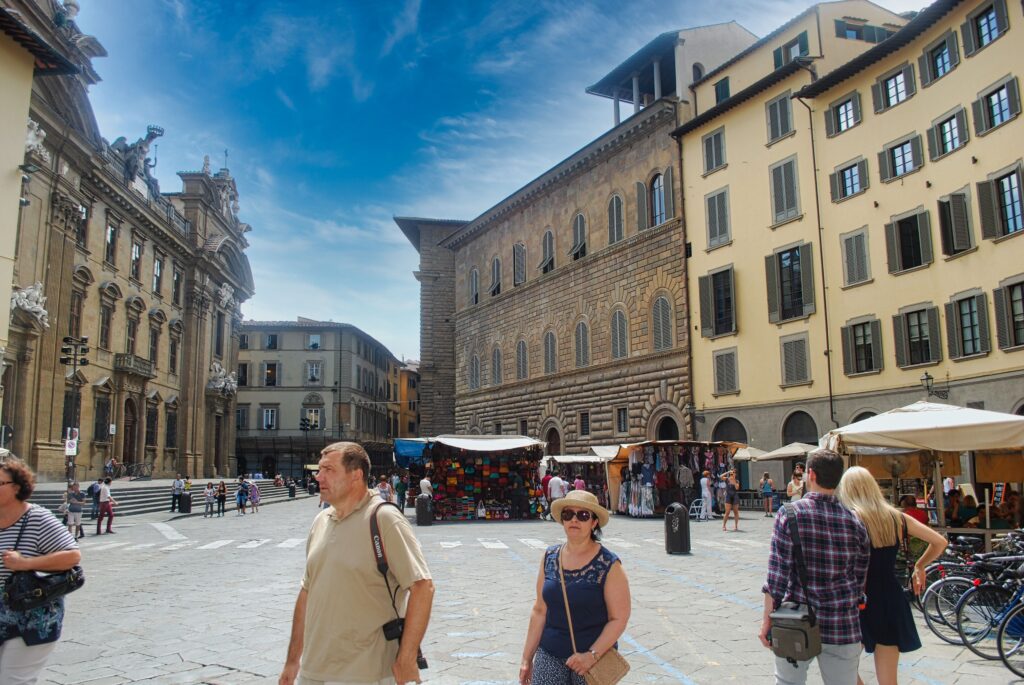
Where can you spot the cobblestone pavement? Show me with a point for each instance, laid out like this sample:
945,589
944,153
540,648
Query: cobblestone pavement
209,601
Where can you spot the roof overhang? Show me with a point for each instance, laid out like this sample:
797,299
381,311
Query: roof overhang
662,47
49,62
410,226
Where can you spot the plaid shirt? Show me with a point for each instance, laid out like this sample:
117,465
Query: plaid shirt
836,550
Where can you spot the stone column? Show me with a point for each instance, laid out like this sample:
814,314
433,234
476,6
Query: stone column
636,93
657,80
681,94
117,439
615,100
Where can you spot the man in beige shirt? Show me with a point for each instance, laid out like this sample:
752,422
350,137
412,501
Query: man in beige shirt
337,636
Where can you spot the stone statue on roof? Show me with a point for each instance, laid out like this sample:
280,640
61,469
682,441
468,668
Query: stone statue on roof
135,154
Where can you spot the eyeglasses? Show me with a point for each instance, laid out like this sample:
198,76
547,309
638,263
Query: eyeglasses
580,515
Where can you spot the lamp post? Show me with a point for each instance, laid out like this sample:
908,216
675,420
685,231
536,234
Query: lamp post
305,427
928,382
73,351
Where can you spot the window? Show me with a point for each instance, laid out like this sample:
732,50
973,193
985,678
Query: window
790,283
714,150
717,303
495,288
658,215
176,279
916,336
75,315
243,374
848,180
518,264
218,334
547,262
954,224
785,203
948,134
856,30
582,345
158,274
795,48
271,371
523,426
269,418
172,356
496,370
893,88
855,257
81,226
151,425
271,341
242,417
722,90
862,347
474,286
620,335
522,361
106,321
996,106
313,416
314,372
110,248
967,329
622,420
131,331
474,372
584,423
171,429
718,218
579,237
154,344
938,59
780,117
313,341
796,367
550,353
726,376
101,419
615,229
900,158
661,328
999,204
1009,302
243,341
908,242
984,25
843,114
497,427
135,270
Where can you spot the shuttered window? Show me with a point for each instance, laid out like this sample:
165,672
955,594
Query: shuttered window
948,134
954,224
579,238
547,262
797,47
582,345
522,361
474,286
916,337
984,25
714,150
785,203
726,372
893,88
619,335
550,353
900,158
908,242
658,215
717,293
722,90
718,218
661,315
1009,305
518,264
1000,206
780,117
843,114
796,367
855,258
996,106
641,207
474,372
615,228
967,327
789,284
848,180
938,59
496,370
495,288
862,347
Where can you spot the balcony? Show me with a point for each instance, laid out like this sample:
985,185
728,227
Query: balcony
136,366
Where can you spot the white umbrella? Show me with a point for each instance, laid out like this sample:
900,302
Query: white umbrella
794,450
748,454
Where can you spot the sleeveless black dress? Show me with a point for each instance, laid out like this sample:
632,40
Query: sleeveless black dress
887,619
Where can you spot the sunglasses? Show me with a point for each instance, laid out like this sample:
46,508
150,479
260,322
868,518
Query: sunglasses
580,515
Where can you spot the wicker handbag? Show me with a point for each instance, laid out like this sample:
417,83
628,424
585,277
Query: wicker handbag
611,667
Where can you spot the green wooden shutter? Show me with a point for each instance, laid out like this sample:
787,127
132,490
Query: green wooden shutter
777,57
946,227
916,152
778,195
719,147
802,41
988,210
850,259
952,330
960,222
970,39
984,332
934,337
785,123
924,235
908,79
1013,96
641,206
933,142
834,187
773,120
724,232
877,358
1000,298
980,116
876,97
830,122
892,247
670,194
840,28
807,277
899,340
884,165
856,108
954,49
862,173
771,273
849,363
924,67
961,125
733,314
707,318
1001,21
709,153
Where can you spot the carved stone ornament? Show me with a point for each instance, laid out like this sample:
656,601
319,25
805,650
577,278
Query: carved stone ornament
34,137
135,154
222,382
226,296
206,164
31,301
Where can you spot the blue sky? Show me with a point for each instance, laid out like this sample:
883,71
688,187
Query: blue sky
338,115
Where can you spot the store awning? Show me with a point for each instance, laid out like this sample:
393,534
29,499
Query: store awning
487,443
609,451
748,454
409,451
794,450
580,458
624,450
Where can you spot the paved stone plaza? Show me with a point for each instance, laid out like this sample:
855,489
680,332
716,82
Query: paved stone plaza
193,600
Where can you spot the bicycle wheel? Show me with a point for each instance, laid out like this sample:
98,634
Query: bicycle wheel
1010,640
978,616
940,603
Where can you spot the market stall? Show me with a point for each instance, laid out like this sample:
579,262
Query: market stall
592,468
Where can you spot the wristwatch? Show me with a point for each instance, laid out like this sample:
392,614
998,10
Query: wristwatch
594,654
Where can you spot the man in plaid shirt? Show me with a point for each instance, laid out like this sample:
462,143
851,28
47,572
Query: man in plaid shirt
836,550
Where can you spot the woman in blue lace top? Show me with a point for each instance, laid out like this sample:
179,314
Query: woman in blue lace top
598,595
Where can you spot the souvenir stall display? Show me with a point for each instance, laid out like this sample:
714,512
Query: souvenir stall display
480,477
592,469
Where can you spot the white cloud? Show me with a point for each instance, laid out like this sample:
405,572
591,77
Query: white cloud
405,24
285,100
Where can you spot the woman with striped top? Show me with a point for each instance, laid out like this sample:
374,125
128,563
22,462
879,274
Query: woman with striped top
28,637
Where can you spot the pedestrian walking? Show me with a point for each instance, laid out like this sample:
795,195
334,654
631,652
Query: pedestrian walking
241,496
401,492
557,489
732,500
222,497
887,623
254,496
94,493
836,550
177,487
344,627
107,504
767,492
705,496
75,499
796,488
384,489
596,598
209,499
31,539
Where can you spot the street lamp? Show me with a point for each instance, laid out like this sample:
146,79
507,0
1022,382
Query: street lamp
305,426
927,382
73,351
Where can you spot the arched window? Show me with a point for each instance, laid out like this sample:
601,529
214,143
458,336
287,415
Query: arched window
800,427
550,353
661,316
495,277
474,372
522,361
582,345
579,237
619,335
698,71
474,286
518,264
496,366
657,200
729,429
615,231
547,262
863,416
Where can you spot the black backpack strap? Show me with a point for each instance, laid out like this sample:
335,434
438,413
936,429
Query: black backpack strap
798,556
377,540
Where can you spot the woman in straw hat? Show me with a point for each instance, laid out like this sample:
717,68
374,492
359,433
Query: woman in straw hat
598,596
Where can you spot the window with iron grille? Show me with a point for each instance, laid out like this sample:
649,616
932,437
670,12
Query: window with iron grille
584,423
622,420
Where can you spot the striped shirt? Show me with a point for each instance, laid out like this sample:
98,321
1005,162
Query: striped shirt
836,550
44,534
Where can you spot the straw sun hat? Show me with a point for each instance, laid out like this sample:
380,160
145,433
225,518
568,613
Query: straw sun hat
580,499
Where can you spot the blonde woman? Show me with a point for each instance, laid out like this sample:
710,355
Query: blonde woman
886,623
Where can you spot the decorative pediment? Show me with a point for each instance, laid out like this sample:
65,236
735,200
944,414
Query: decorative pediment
103,384
176,327
76,377
112,290
313,398
153,397
172,402
136,305
82,276
157,316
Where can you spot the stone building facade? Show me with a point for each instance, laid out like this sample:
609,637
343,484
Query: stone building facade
153,280
409,400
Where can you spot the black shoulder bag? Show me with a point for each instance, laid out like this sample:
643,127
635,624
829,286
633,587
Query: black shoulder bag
796,635
24,590
392,629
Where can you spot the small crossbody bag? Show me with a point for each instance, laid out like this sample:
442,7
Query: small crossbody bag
611,667
796,634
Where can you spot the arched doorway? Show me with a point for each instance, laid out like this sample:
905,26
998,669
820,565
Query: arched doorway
863,416
799,427
131,424
1020,410
729,429
668,429
554,441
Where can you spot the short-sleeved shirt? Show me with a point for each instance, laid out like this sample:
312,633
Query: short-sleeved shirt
75,501
348,602
178,486
104,493
426,488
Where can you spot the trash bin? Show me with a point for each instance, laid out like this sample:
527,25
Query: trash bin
185,503
424,515
311,488
677,529
291,490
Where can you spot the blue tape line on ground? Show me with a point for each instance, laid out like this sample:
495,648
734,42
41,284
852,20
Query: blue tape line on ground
661,663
